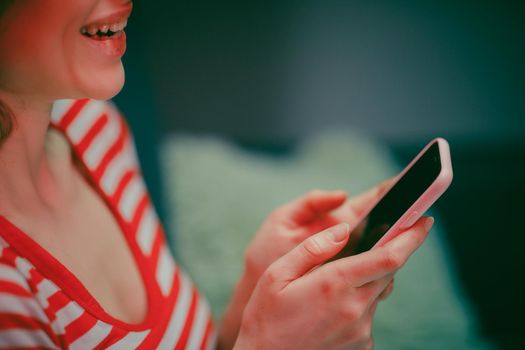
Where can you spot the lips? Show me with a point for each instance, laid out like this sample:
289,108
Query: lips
106,32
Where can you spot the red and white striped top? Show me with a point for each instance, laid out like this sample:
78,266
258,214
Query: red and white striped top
43,305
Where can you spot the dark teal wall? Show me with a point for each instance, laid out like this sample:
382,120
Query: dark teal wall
280,69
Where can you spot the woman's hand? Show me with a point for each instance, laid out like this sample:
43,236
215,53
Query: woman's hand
289,225
301,304
283,230
292,223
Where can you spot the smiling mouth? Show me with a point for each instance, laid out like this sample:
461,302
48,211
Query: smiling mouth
104,31
110,26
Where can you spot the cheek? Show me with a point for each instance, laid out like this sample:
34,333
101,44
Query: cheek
24,58
32,60
51,58
28,47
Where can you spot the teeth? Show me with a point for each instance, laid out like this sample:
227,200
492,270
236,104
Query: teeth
93,29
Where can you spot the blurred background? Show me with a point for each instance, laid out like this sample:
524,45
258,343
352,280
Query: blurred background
267,74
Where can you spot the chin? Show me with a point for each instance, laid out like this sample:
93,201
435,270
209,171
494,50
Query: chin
105,86
107,92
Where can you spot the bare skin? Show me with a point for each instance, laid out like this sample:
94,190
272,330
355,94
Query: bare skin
45,194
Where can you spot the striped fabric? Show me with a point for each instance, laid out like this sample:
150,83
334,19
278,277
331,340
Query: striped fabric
44,306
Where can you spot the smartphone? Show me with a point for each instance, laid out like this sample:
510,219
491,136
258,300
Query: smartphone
411,193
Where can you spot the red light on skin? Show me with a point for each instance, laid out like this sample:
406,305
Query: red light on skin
48,48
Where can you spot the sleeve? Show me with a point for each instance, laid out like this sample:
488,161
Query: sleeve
23,322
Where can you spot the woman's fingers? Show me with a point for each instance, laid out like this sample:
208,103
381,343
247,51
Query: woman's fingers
317,203
312,252
377,290
360,203
356,207
379,262
312,205
387,291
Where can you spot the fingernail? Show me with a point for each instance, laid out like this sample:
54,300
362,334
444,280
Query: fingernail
428,223
338,233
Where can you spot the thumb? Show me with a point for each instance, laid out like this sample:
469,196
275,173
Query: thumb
312,252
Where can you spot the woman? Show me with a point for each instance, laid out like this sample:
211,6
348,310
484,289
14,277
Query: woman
83,263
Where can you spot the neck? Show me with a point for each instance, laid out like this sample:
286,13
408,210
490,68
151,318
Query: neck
26,178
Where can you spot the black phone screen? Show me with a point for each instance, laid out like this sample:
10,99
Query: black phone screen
397,200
